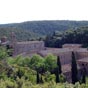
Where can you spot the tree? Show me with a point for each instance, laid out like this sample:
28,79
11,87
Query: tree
84,74
57,75
74,69
37,62
59,65
50,62
38,79
3,53
83,78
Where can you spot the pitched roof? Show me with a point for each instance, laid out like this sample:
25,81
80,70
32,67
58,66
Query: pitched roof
84,60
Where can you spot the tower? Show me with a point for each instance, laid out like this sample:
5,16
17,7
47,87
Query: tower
13,39
13,42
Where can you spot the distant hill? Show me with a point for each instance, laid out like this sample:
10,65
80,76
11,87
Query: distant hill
35,29
21,34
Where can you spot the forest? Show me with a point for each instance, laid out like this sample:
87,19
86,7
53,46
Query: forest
33,30
78,36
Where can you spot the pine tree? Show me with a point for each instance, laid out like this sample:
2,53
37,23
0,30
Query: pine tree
74,69
59,65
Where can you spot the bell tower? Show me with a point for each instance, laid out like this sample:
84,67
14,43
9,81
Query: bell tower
13,42
13,38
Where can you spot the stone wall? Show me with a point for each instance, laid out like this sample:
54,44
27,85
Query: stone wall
64,54
83,63
27,47
81,55
65,57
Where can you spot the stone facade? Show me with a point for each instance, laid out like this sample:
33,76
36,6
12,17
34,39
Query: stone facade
83,63
81,55
28,47
64,54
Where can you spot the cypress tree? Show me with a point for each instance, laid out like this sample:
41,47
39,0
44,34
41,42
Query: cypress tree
74,69
83,78
83,75
38,80
59,65
57,75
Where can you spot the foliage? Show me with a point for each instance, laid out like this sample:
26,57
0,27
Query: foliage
19,60
3,53
21,73
22,83
50,62
21,34
57,75
74,69
59,65
36,62
83,79
33,30
77,36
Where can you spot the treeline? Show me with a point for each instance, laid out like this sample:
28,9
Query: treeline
21,34
43,28
37,30
77,36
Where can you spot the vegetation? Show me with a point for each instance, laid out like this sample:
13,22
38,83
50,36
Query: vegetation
83,80
74,69
21,34
37,71
77,36
59,65
33,30
47,27
34,72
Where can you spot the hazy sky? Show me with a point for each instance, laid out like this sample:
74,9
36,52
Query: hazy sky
26,10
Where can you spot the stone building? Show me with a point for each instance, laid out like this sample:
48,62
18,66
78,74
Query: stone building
4,41
25,47
83,63
28,47
64,54
81,55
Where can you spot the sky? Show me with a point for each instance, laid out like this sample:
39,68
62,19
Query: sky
15,11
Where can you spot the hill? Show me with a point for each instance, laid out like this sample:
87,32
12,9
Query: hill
21,34
36,29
